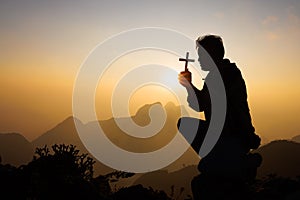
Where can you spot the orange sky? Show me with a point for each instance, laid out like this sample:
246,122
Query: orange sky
43,44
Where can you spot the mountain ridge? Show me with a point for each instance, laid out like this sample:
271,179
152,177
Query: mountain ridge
281,157
65,132
296,138
15,149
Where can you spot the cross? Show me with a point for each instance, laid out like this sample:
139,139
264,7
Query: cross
186,59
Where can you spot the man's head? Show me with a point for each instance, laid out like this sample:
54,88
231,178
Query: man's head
213,44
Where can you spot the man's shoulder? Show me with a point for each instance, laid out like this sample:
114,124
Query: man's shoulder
229,69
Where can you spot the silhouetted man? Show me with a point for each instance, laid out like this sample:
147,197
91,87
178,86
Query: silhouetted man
230,158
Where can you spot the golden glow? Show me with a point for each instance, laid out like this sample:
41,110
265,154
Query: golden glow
145,95
42,49
157,94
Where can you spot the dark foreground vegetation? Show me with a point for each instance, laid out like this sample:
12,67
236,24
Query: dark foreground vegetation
61,172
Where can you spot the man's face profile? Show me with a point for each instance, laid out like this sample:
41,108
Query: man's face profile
205,61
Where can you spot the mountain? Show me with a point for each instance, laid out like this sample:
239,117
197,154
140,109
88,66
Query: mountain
15,149
280,157
296,138
163,135
176,184
65,132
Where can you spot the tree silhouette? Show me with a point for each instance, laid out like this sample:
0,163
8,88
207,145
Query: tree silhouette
138,192
67,160
276,188
60,173
63,173
11,184
103,182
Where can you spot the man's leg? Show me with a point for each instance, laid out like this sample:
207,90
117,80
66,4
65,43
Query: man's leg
194,130
195,185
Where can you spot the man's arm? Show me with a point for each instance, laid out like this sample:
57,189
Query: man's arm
197,99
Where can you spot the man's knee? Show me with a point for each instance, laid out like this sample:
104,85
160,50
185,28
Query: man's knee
195,187
195,181
178,123
191,124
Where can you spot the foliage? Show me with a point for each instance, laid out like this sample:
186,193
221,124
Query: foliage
59,172
276,188
116,175
63,173
139,192
66,159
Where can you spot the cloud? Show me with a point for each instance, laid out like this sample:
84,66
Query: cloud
275,27
271,19
271,28
293,18
219,15
272,36
292,22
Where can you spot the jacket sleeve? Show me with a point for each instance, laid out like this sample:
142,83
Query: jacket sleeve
198,99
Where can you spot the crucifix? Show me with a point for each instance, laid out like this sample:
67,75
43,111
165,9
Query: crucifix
186,59
186,73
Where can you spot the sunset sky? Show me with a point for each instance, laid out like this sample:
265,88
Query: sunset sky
44,43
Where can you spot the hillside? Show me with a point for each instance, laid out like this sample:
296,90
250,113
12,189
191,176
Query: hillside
142,118
296,138
280,157
15,149
176,183
65,132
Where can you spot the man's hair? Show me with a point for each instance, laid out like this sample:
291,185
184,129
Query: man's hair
213,44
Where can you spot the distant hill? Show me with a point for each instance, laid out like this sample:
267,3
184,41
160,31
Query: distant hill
15,149
142,118
177,183
296,138
280,157
144,145
65,132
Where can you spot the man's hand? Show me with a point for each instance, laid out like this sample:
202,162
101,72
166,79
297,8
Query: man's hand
185,78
